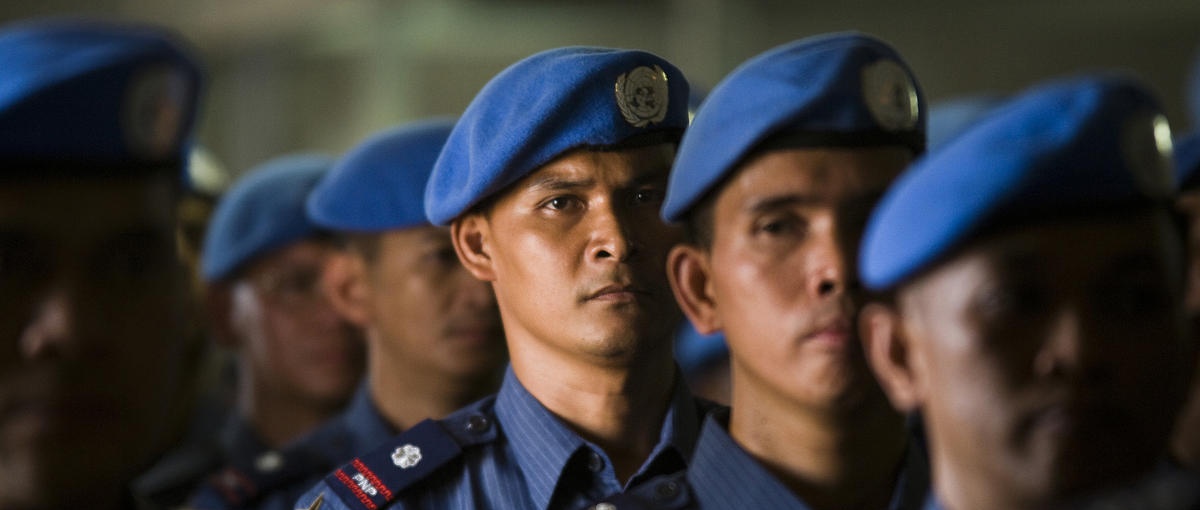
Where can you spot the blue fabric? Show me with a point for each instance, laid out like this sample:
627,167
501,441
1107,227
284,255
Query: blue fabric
953,116
723,476
355,431
380,184
261,212
694,351
534,462
1187,162
545,105
1070,146
837,84
90,92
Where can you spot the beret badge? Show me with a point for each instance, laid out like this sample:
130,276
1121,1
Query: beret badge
1146,144
642,96
890,95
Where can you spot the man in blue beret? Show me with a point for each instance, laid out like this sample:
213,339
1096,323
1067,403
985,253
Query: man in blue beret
95,119
773,181
434,340
1031,309
551,183
1186,444
297,360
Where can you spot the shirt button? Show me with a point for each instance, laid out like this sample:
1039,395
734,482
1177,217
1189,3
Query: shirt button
595,463
478,423
666,490
269,462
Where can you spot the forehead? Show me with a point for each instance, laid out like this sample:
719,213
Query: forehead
74,209
819,172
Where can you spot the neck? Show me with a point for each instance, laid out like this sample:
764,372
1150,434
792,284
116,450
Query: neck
405,392
618,407
277,417
829,457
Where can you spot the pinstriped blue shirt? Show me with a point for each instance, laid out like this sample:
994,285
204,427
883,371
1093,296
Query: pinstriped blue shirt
526,459
723,475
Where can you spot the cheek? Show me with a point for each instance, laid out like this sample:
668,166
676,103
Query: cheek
757,288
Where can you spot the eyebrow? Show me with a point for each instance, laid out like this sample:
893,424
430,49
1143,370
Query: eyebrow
557,183
792,199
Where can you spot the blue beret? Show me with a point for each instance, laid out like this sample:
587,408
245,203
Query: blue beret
694,351
1187,162
380,184
96,95
548,104
951,117
844,89
1069,147
263,211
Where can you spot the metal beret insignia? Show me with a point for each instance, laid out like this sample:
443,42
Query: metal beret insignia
152,115
642,96
1146,145
406,456
890,95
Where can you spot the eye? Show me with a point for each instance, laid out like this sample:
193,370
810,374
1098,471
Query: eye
648,196
442,256
1134,299
780,224
22,261
133,257
561,203
1011,301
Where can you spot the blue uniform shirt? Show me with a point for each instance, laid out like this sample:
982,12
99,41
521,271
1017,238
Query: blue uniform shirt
723,476
275,484
503,452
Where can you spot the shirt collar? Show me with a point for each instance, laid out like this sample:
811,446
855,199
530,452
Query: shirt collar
721,470
365,424
544,446
239,440
722,467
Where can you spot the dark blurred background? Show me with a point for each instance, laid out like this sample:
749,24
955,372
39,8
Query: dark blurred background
321,74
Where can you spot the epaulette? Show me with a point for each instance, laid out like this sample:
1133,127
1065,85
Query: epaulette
244,483
666,492
377,478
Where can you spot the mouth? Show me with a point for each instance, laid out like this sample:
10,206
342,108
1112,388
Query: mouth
834,332
618,293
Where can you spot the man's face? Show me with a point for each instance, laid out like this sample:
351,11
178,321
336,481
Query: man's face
431,313
784,289
92,300
577,253
1051,360
296,345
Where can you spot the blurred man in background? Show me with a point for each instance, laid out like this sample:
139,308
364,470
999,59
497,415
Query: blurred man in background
434,342
298,362
94,123
1187,158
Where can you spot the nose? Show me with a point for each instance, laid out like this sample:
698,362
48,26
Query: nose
50,330
612,237
1070,350
828,265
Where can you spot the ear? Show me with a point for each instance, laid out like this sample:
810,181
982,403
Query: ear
889,352
218,308
344,280
471,236
688,272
